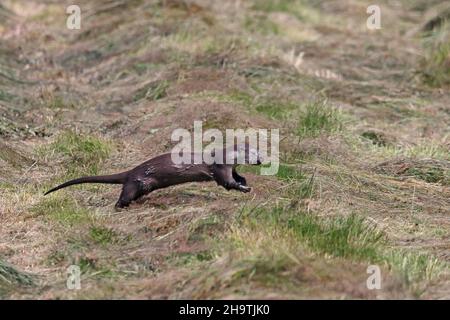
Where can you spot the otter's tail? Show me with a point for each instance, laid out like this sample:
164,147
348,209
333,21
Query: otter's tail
110,179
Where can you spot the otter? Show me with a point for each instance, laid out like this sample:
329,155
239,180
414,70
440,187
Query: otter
161,172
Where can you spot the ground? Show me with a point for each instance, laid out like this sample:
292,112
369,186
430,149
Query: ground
365,148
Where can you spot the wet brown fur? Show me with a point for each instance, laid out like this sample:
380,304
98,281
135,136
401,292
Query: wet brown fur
160,172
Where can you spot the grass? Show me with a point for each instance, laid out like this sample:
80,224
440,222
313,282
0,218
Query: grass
421,150
349,237
261,24
347,193
274,109
414,267
271,107
57,102
142,68
82,153
376,138
300,9
318,118
286,172
153,91
5,96
63,210
190,259
11,278
103,236
431,175
435,66
274,6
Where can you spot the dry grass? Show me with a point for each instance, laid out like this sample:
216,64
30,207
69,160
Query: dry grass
365,149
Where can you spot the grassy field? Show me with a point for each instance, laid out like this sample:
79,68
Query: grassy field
364,119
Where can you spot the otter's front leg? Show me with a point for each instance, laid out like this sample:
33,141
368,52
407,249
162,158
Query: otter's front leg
224,176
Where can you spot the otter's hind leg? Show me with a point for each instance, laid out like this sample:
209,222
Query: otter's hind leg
130,192
238,178
224,176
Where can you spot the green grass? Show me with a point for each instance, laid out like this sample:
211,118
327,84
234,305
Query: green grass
142,68
414,267
261,24
5,96
318,118
274,5
422,150
431,175
103,236
269,270
286,172
349,237
191,258
57,102
10,278
153,91
435,66
82,153
302,186
269,106
376,138
55,258
275,109
302,10
63,210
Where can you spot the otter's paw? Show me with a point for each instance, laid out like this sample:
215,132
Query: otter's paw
244,189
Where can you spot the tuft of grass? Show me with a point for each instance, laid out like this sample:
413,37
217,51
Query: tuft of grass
86,264
422,150
83,153
318,118
103,236
55,258
192,258
261,24
5,96
61,209
11,276
271,107
57,102
274,5
435,66
349,237
240,97
141,68
302,10
414,267
153,91
275,109
376,138
286,172
304,189
263,254
431,175
271,270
